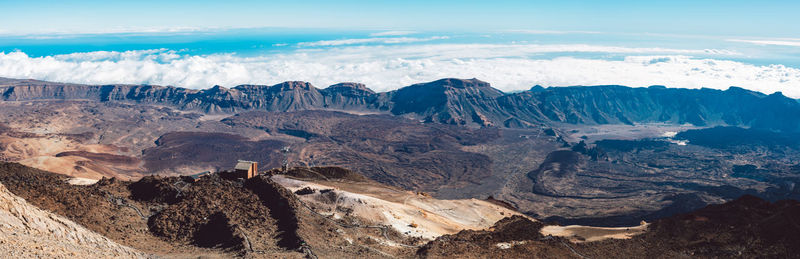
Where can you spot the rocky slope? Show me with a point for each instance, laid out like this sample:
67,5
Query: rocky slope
29,232
334,212
455,101
747,227
391,150
414,214
345,215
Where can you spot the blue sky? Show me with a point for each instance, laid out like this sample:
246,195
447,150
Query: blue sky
731,18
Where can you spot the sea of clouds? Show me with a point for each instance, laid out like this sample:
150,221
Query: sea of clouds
509,67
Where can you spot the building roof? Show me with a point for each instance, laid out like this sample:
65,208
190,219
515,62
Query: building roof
243,165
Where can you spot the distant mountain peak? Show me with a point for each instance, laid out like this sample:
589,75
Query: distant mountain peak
458,83
293,85
777,94
450,100
217,89
352,86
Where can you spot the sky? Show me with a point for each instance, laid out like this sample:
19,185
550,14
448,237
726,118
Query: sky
513,45
734,17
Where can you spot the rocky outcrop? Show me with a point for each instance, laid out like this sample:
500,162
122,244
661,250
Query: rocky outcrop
556,176
283,207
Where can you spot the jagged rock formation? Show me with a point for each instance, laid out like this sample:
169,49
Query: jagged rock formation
29,232
456,101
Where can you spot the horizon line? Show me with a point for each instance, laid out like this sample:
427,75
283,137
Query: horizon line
732,87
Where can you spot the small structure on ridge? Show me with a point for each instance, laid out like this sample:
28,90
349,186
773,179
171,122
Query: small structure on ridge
245,169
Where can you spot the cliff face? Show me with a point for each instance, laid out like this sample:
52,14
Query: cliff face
450,101
625,105
455,101
286,96
349,96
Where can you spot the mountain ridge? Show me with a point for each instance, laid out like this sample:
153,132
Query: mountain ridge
470,102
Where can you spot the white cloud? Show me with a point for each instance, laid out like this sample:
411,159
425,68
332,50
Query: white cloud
791,43
387,67
552,32
63,34
391,40
391,33
442,51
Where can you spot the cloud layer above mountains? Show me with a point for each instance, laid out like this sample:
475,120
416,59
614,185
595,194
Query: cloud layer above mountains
509,67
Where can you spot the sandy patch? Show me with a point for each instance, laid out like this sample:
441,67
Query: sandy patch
81,181
590,234
409,213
